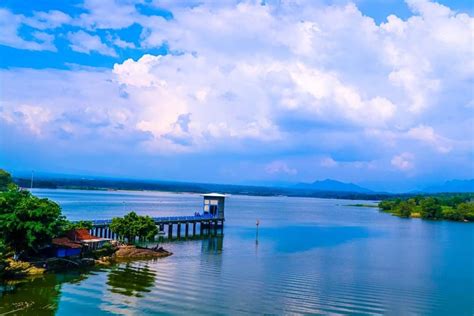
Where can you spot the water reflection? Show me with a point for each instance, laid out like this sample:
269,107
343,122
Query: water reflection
213,245
131,279
35,296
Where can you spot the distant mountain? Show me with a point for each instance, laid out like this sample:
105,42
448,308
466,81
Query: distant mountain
452,186
329,185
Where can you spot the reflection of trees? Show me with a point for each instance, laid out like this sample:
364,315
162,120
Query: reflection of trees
131,280
38,296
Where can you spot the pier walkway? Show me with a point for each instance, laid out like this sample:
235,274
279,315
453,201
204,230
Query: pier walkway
169,225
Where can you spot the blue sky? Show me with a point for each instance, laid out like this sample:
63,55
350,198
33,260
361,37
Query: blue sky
379,93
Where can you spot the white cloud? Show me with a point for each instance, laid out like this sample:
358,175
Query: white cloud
403,161
83,42
9,35
427,134
48,20
328,162
108,14
279,167
294,77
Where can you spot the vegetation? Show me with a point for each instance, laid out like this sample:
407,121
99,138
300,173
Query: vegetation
133,225
456,207
5,180
77,225
28,222
3,258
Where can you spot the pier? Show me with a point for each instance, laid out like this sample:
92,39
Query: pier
210,222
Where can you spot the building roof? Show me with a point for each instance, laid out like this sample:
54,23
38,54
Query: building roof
214,195
65,243
82,235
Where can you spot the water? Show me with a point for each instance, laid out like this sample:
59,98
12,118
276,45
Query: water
316,256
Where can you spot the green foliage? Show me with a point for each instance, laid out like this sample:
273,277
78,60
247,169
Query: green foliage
68,226
430,208
3,257
464,211
456,207
106,250
405,208
133,225
388,205
5,180
28,222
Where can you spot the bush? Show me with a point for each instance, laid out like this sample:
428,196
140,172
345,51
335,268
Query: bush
405,209
430,209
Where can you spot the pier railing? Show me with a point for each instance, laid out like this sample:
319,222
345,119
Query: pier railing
193,225
164,220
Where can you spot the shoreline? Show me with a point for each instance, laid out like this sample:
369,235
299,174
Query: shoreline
19,270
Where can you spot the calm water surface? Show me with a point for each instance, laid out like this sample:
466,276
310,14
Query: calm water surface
311,256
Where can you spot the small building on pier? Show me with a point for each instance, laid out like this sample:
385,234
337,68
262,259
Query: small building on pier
214,205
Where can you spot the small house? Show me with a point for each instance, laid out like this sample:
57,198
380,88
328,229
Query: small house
83,237
65,247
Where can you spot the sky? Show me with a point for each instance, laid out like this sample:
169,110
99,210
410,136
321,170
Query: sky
378,93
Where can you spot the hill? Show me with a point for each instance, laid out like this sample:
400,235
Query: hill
330,185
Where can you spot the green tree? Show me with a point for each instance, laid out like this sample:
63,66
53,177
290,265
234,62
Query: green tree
67,225
389,205
405,208
27,222
133,225
430,208
464,211
5,180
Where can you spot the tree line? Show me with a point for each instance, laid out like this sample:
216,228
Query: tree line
455,207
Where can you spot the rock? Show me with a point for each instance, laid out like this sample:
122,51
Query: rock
20,269
133,252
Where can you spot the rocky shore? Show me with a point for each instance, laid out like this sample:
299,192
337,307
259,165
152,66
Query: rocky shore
20,269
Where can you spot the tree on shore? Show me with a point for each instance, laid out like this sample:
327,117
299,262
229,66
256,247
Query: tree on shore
405,208
26,221
5,180
67,226
133,225
431,209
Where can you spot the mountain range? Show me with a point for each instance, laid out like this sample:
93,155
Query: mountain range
330,185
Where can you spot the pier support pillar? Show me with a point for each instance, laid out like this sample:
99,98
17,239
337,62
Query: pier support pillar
170,230
194,229
179,230
186,231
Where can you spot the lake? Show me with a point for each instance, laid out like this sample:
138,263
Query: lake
311,256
